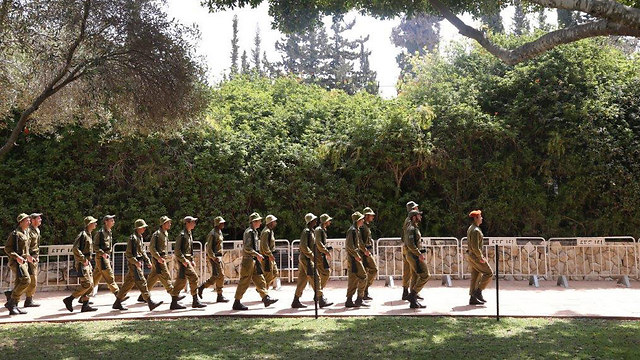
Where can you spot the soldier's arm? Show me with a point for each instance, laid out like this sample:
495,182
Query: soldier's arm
153,249
96,244
361,244
319,245
409,241
177,249
305,243
208,245
34,245
247,248
265,249
77,254
475,243
217,244
131,257
10,246
350,244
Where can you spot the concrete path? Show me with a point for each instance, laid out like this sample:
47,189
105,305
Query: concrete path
583,299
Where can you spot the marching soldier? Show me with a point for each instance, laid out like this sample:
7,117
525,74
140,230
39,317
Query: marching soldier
306,269
357,275
102,241
214,257
82,250
159,257
34,251
137,258
17,248
251,266
323,254
408,276
267,247
366,246
481,272
416,258
183,253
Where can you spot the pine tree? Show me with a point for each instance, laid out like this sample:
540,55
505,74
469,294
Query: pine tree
566,18
245,63
520,22
234,46
255,52
542,21
417,34
493,21
342,53
366,77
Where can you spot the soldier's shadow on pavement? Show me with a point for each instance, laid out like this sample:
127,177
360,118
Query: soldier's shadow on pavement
467,308
296,311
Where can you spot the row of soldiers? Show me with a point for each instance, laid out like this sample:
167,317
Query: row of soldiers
258,262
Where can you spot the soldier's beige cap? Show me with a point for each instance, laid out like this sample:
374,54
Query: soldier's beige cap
254,217
108,217
324,218
89,220
35,215
189,219
218,220
164,219
411,205
309,218
21,217
356,216
140,224
269,219
368,211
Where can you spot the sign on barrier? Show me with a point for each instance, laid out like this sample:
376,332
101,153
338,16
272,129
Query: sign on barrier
520,257
593,257
442,256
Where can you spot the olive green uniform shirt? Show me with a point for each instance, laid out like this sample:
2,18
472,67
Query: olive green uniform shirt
307,240
135,252
352,243
34,241
214,243
475,238
267,241
102,241
183,249
82,247
158,244
366,242
412,239
17,244
250,240
321,240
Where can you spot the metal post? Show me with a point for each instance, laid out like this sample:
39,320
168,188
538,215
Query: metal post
497,284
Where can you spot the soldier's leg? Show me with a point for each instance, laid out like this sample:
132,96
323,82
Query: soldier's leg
475,274
303,278
261,285
109,277
422,270
246,272
219,280
86,284
164,277
361,275
268,278
406,271
486,275
181,280
323,274
129,281
21,282
33,274
372,270
140,281
192,276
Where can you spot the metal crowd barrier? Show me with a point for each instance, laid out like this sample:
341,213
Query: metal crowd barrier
232,258
589,257
442,256
519,256
338,261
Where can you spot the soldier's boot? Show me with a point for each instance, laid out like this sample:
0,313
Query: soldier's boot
68,303
197,304
175,305
359,302
323,302
366,294
86,307
268,301
413,301
405,294
222,299
200,290
478,295
118,305
20,311
349,303
80,301
418,297
141,299
8,294
180,297
28,302
11,306
296,304
474,300
152,305
237,305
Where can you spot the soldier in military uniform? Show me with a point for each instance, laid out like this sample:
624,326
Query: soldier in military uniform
481,272
102,241
82,250
357,278
34,251
159,257
17,248
183,254
267,247
416,258
213,247
136,258
366,246
323,255
306,267
251,266
408,276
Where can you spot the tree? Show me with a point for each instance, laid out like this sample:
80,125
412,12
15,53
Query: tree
417,34
493,20
244,60
90,61
342,52
366,78
255,52
234,46
608,17
520,22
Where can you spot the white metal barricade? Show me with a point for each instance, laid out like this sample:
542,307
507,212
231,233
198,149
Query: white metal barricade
593,257
232,258
520,257
442,256
338,263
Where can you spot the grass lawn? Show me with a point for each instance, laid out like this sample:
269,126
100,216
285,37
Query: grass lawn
326,338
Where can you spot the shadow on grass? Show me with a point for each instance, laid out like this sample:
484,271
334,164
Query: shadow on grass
326,338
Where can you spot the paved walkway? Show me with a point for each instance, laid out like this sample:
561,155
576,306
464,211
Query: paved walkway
517,299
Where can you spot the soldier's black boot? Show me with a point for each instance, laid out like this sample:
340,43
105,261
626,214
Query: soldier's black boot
359,302
237,305
86,307
268,301
82,302
10,305
413,301
197,304
180,297
141,299
118,305
8,295
405,294
29,302
222,299
200,290
349,303
323,302
68,303
478,295
366,294
296,304
418,297
175,305
474,301
152,305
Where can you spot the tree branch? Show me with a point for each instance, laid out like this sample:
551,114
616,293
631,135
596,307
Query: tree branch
603,9
540,45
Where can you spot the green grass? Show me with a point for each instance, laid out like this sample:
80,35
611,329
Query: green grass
326,338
